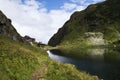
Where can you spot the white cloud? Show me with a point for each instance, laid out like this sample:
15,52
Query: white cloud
78,1
98,1
33,19
72,7
79,8
28,18
69,6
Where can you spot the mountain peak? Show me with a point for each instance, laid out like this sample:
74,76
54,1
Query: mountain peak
7,29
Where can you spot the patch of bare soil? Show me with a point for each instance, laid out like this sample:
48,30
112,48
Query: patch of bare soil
38,74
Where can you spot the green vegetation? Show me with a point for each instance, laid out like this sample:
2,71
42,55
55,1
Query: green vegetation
66,72
77,35
101,17
20,61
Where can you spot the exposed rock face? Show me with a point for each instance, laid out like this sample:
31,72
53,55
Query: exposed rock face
95,38
7,29
102,17
29,39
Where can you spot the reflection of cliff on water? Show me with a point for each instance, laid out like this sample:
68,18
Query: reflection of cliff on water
95,54
112,55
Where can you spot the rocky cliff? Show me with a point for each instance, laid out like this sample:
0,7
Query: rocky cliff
7,29
102,17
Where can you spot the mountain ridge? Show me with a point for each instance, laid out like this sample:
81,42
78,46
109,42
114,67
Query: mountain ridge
7,29
103,17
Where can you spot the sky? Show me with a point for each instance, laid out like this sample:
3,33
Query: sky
41,19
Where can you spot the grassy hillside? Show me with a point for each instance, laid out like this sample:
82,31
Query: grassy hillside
19,61
102,17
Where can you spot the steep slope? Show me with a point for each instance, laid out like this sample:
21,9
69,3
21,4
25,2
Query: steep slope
97,24
20,61
7,29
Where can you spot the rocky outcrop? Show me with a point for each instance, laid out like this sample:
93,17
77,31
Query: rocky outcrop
95,38
29,40
7,29
102,17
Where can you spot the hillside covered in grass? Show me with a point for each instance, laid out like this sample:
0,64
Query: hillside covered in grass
18,61
98,24
22,61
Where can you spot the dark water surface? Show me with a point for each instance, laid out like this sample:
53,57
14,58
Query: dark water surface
105,63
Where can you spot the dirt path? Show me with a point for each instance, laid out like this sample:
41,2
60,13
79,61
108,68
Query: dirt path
38,75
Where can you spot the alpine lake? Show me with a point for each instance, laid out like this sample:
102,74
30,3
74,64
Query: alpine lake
100,61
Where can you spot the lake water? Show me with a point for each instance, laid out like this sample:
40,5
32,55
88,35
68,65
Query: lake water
105,63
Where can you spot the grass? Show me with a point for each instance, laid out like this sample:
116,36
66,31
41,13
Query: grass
66,72
101,17
77,38
20,61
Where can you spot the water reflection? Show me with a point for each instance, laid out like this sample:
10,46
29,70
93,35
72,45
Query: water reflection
97,54
103,62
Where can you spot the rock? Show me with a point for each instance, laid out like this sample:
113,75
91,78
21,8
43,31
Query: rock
7,29
29,39
95,38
